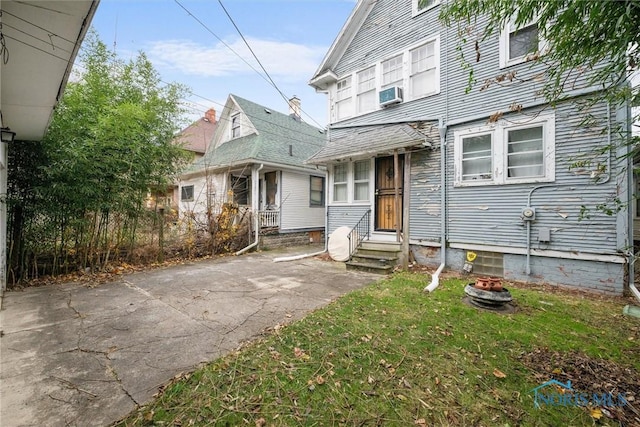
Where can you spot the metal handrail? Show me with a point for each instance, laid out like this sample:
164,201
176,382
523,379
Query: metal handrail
359,232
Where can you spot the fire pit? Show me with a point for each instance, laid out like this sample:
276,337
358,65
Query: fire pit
489,294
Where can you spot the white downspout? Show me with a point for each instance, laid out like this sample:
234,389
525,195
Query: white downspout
255,211
435,277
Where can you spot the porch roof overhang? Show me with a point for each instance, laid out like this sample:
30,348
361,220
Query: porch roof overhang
246,165
362,142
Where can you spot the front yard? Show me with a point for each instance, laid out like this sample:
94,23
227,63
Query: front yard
392,355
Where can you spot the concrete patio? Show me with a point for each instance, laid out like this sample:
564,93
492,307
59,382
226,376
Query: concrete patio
79,355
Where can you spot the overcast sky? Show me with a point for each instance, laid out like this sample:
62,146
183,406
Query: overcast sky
290,37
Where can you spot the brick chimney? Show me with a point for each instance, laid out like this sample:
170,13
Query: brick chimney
210,115
295,107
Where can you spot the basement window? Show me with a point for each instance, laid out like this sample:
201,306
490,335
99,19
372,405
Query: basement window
489,264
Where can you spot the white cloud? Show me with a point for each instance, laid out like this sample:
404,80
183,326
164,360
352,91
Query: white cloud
281,59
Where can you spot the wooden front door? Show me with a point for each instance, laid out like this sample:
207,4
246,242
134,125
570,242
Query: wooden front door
388,213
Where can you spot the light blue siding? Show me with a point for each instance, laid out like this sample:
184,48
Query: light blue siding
345,216
425,205
490,215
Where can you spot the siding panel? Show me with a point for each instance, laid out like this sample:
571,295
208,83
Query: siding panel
346,216
425,196
491,214
295,212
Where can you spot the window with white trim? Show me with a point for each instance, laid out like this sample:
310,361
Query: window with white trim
506,152
340,189
361,180
392,72
477,157
344,107
423,78
235,125
420,6
525,152
366,91
519,44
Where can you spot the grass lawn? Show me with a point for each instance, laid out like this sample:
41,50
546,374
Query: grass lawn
390,354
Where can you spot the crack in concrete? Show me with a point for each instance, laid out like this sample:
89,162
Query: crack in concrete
115,375
246,319
110,368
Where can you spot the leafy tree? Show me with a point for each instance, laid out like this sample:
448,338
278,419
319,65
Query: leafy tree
602,37
110,141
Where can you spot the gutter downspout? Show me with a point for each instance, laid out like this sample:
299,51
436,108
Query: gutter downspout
435,277
257,225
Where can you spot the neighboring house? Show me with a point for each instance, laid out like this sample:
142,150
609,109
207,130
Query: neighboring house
255,160
194,139
34,73
492,180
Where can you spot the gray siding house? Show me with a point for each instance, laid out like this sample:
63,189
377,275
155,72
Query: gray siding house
492,179
255,160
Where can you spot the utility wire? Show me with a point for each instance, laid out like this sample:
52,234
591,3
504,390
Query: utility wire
39,27
48,42
273,83
116,62
221,41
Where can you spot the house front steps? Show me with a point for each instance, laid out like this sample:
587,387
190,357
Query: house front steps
375,257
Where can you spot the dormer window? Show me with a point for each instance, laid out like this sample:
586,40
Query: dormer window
235,125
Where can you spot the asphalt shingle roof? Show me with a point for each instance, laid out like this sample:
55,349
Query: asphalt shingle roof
373,140
280,139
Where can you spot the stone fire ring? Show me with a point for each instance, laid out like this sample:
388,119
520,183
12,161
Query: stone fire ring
498,301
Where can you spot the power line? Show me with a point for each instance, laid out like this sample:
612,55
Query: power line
273,83
117,62
51,33
221,41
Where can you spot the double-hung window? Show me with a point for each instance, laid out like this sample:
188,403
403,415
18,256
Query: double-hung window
506,152
235,125
343,105
392,72
340,189
366,90
519,44
361,180
423,79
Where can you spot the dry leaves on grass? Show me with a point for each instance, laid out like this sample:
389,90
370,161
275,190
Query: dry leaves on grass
590,375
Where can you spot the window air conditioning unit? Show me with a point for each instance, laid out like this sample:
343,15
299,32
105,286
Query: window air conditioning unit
390,96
